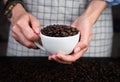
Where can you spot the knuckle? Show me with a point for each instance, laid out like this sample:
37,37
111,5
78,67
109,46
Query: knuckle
28,44
30,37
19,23
25,16
13,29
85,44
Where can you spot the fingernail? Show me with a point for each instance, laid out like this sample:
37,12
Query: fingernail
77,49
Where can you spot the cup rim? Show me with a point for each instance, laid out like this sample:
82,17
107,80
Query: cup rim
60,37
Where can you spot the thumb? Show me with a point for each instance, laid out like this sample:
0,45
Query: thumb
75,23
83,42
35,24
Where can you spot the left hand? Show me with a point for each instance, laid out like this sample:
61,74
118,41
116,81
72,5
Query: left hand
85,28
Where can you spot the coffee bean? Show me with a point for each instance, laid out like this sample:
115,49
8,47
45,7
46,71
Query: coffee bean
59,31
42,70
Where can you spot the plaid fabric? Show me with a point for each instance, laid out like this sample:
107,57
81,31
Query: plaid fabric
65,12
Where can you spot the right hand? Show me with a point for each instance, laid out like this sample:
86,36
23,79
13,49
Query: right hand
25,27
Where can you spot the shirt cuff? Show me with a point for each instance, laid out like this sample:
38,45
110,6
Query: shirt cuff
113,2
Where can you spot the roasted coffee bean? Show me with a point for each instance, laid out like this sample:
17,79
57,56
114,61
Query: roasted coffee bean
42,70
59,31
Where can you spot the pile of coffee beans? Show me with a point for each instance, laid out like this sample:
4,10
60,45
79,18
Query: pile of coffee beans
39,69
59,31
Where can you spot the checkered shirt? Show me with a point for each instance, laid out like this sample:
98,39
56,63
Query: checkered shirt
65,12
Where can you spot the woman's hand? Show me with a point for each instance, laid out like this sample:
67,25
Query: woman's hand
25,27
85,28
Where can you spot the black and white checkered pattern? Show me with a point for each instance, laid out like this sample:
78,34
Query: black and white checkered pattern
65,12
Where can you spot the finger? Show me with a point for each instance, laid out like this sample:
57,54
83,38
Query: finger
75,23
54,57
90,38
70,58
27,30
21,38
67,58
84,42
35,24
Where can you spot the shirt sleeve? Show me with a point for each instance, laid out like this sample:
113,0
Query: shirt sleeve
113,2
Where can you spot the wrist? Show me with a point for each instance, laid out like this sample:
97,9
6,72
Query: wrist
17,11
10,6
94,10
89,17
17,8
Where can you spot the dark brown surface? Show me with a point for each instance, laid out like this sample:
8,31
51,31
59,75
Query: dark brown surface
42,70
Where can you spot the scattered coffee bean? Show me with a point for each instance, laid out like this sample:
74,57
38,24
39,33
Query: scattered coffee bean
59,31
39,69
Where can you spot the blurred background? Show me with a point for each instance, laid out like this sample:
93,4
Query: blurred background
4,31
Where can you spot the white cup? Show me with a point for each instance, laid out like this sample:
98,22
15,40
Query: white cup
63,45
